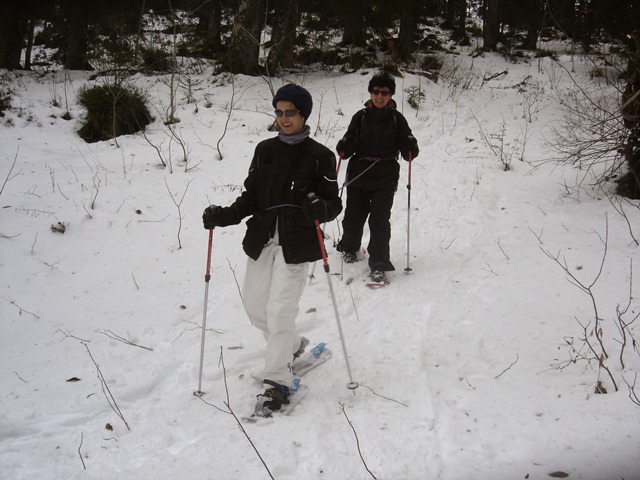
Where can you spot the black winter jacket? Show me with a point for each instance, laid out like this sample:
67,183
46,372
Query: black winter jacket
280,178
376,136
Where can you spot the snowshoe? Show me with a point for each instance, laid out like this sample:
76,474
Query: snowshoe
272,400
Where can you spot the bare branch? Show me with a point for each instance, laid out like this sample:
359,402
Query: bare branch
232,413
79,452
9,177
68,334
235,278
633,395
22,309
126,341
382,396
226,123
617,205
601,354
178,205
105,389
509,367
357,440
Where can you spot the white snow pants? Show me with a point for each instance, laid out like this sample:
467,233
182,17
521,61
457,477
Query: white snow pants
271,293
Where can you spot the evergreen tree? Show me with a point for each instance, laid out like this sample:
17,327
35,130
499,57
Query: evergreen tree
285,20
491,25
244,45
17,24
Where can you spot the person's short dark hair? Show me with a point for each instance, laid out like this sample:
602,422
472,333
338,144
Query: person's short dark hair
383,79
297,95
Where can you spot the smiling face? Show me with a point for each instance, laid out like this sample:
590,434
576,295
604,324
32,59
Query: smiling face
380,96
289,125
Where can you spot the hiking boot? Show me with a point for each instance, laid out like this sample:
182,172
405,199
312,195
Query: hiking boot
378,276
349,257
304,341
272,399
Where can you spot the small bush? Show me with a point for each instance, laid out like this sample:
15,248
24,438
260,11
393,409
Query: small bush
5,100
112,110
157,60
431,65
543,53
5,94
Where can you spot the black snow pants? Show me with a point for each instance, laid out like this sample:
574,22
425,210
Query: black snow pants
376,205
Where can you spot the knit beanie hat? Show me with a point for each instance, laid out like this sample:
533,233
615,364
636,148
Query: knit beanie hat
297,95
383,79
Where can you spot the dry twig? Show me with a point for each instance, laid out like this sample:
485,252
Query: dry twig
357,440
382,396
509,367
9,177
105,389
80,453
597,330
23,310
230,411
126,341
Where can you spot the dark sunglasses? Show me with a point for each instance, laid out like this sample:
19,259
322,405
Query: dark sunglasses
384,93
286,113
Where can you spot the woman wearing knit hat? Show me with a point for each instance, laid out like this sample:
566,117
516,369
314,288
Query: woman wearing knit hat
291,183
375,136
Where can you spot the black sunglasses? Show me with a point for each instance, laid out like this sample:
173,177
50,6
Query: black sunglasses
384,93
286,113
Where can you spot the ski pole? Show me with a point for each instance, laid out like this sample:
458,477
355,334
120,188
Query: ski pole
340,155
408,269
351,385
207,277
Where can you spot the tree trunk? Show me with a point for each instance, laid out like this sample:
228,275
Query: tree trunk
460,31
563,14
244,46
449,13
213,27
629,184
355,26
31,29
75,27
13,25
491,25
408,30
283,36
534,11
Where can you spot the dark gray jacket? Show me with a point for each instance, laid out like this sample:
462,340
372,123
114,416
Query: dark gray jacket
374,138
279,180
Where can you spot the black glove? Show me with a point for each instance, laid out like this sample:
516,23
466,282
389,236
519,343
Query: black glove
410,148
211,217
314,207
344,149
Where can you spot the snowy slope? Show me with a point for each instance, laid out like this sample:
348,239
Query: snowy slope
462,363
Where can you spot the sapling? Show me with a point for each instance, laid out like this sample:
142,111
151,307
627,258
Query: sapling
226,123
9,176
596,349
178,206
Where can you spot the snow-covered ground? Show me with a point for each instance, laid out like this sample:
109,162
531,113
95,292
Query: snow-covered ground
465,364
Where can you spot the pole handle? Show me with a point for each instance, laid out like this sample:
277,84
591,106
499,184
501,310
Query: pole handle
207,275
323,251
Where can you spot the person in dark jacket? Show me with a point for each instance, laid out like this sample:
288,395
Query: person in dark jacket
374,137
291,183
